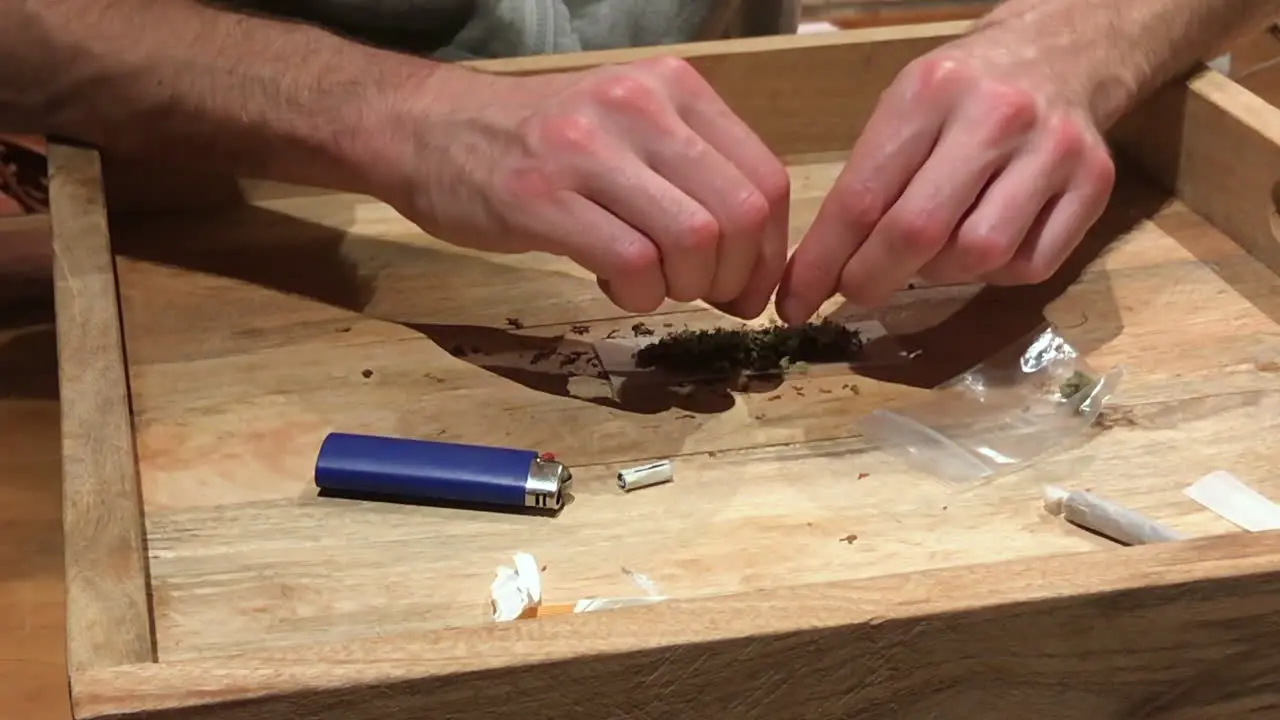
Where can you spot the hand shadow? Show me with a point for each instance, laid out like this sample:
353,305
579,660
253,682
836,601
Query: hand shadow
29,363
948,329
467,313
572,367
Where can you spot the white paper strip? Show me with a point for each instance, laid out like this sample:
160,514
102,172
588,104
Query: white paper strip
1237,503
597,604
617,356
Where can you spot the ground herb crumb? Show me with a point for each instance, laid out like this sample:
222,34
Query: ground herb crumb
366,373
773,348
580,329
1073,385
515,323
641,330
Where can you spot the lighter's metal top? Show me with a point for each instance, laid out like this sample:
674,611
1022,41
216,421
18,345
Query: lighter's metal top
545,485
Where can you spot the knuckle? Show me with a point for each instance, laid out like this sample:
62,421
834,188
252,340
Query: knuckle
984,250
699,231
1100,171
775,187
629,92
752,213
572,133
932,75
634,260
857,208
1067,141
916,232
1009,110
676,70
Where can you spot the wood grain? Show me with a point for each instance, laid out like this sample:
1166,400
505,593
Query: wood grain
756,76
251,333
227,580
1217,146
33,670
108,613
1121,635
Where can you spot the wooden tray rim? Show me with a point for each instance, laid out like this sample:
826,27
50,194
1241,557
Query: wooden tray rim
118,674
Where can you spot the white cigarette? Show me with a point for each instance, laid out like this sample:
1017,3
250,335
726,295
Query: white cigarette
654,473
1104,517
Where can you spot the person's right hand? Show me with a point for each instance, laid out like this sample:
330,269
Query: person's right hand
638,172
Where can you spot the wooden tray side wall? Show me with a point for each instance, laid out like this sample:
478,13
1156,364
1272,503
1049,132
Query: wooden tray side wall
1109,635
759,76
1216,147
108,611
860,649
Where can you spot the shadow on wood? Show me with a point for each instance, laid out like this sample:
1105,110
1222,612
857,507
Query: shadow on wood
965,326
28,364
556,364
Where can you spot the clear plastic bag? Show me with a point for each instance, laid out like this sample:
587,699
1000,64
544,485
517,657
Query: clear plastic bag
1000,415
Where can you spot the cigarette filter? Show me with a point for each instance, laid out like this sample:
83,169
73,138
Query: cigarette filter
654,473
430,471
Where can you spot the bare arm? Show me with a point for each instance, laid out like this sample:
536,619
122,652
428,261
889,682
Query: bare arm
177,81
986,160
1121,51
638,172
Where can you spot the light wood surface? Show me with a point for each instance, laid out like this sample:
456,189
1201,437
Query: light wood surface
779,506
1103,635
32,682
242,369
33,671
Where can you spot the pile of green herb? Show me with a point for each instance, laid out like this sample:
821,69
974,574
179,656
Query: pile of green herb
761,350
1073,385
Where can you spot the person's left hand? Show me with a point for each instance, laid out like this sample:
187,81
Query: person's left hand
981,162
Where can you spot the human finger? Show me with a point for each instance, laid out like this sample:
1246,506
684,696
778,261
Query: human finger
626,261
708,115
740,211
990,234
894,144
686,234
974,145
1060,227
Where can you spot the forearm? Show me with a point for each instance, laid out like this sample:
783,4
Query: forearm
1119,52
181,83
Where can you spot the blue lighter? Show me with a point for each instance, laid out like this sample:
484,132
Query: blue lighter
430,471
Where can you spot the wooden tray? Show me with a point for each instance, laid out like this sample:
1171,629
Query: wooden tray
813,575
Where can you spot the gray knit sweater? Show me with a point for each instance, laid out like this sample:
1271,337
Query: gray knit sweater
460,29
